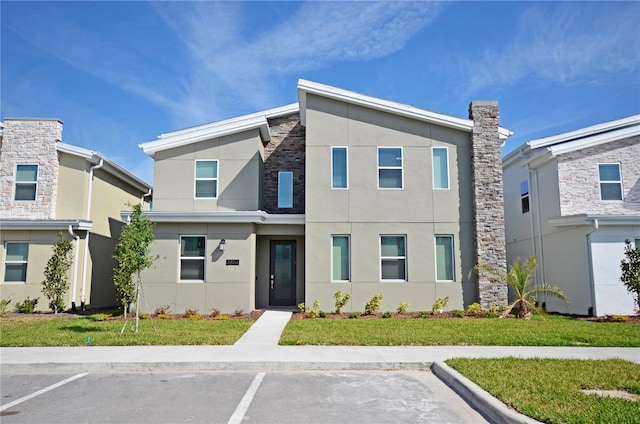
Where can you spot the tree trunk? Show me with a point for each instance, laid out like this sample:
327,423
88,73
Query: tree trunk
137,303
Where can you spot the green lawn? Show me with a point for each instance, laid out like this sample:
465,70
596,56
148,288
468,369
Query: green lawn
75,331
552,330
549,390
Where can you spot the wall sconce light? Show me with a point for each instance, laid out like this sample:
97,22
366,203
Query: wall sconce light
223,245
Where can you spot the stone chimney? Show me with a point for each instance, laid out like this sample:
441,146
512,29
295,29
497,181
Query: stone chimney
488,200
30,142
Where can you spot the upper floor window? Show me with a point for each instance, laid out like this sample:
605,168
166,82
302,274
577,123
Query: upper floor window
444,258
390,167
524,195
440,168
339,175
340,258
610,181
285,189
15,262
192,258
393,258
206,179
26,182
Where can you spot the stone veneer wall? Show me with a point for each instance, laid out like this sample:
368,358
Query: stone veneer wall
285,152
578,174
488,200
26,141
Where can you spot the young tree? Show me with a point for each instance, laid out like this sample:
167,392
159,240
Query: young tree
630,267
519,279
132,256
55,283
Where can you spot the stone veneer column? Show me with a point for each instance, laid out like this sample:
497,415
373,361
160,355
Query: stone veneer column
285,152
30,141
488,200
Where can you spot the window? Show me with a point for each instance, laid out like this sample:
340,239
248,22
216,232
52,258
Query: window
26,182
207,179
393,260
610,181
444,258
192,258
339,176
524,195
340,260
15,262
440,168
389,167
285,189
637,242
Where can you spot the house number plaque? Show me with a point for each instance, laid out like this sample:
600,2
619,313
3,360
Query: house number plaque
233,262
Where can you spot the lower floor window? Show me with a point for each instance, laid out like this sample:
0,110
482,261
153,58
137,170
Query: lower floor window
192,258
393,258
16,256
444,258
340,258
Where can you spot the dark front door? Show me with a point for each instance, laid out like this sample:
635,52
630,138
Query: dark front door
282,273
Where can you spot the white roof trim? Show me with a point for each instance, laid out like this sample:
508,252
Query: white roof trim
187,136
587,219
45,224
247,217
409,111
594,140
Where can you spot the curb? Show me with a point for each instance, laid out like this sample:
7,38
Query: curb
479,398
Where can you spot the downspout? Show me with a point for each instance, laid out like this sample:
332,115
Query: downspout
86,240
75,268
533,210
592,310
539,279
145,195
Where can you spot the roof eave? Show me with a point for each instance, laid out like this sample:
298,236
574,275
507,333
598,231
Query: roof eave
45,224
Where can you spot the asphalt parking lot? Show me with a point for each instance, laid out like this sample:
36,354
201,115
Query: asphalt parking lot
232,397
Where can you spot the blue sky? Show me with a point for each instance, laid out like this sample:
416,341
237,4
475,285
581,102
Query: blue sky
120,73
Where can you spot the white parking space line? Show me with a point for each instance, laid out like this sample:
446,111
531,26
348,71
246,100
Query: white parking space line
42,391
243,406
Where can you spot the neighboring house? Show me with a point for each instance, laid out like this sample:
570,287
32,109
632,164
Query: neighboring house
47,186
572,200
340,191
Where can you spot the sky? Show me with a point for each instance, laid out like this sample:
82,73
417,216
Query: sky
120,73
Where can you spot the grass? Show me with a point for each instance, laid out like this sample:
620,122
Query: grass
75,331
552,330
549,390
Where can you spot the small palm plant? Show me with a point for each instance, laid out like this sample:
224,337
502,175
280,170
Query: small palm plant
519,279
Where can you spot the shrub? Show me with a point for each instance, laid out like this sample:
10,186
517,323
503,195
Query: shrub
458,313
28,306
302,307
630,267
164,316
491,314
222,318
142,315
315,311
387,315
192,314
164,310
4,307
424,314
373,305
402,307
323,314
340,300
195,317
214,312
55,283
354,315
474,309
238,311
619,318
439,304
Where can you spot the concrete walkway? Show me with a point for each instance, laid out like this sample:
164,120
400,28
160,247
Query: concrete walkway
266,330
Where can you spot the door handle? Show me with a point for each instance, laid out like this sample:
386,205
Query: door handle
272,282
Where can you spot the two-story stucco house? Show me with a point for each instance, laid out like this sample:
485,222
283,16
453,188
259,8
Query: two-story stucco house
47,186
340,191
572,199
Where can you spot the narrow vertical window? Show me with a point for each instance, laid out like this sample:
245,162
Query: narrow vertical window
390,167
393,258
339,176
340,258
524,195
285,189
192,258
610,181
15,262
440,168
26,182
444,258
206,179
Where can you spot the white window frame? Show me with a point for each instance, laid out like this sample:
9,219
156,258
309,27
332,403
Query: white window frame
282,205
194,258
406,276
401,167
348,237
346,171
433,168
619,182
453,256
196,179
525,196
35,183
8,262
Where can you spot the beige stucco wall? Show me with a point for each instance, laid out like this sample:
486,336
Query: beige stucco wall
239,174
